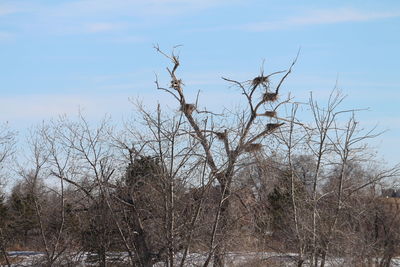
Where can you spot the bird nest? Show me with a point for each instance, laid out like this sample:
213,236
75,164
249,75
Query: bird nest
259,80
253,147
271,114
270,97
220,135
273,126
176,84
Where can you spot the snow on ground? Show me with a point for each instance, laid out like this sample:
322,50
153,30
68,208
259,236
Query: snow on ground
33,258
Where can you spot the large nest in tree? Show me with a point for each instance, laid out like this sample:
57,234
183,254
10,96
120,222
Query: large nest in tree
270,97
273,126
220,135
176,84
259,80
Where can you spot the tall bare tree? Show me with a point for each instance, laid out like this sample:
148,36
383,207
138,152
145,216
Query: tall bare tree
241,135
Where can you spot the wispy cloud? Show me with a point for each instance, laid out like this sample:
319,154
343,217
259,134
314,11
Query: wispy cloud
133,7
6,36
128,39
319,17
45,106
102,27
8,9
101,16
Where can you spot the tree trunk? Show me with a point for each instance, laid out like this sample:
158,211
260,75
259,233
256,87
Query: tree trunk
223,231
323,259
102,257
139,240
300,263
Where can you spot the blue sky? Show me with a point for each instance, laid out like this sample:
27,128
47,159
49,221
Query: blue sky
57,57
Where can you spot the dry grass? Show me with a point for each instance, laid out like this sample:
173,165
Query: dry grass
12,260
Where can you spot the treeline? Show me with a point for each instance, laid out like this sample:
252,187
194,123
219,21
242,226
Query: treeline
172,185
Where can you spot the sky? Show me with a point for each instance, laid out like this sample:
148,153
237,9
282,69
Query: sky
58,57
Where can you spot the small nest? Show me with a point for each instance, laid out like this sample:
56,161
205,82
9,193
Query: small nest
253,147
176,84
273,126
188,108
221,135
271,114
270,97
259,80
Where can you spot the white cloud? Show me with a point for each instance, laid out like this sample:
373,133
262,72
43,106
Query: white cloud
320,17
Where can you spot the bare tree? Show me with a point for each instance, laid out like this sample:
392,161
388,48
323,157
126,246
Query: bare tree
82,157
50,216
7,142
242,135
165,169
136,185
330,148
